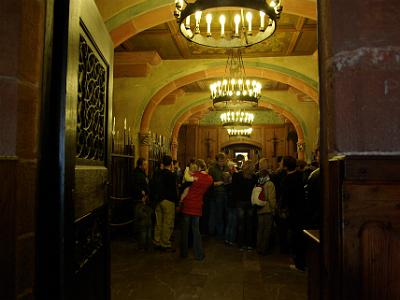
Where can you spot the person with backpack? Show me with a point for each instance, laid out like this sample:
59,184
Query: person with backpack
264,198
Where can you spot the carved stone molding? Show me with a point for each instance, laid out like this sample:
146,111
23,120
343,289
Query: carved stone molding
145,138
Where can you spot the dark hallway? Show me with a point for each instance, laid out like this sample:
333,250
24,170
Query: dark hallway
225,273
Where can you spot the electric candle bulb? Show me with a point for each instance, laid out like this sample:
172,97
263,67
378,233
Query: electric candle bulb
197,16
262,20
113,127
249,17
237,22
208,20
187,22
222,22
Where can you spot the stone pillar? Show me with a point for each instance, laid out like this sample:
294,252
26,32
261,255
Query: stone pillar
174,149
21,69
300,149
359,65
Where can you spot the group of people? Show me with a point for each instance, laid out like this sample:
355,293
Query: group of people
236,202
163,194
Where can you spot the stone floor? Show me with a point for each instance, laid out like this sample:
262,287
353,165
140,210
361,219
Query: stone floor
225,273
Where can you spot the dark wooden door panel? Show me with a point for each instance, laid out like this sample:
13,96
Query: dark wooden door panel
89,95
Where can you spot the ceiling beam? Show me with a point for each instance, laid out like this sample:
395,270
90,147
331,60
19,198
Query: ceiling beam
179,40
135,64
172,97
295,35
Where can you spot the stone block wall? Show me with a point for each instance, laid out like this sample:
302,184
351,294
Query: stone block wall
21,61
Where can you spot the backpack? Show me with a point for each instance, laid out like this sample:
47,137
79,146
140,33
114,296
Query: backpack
258,195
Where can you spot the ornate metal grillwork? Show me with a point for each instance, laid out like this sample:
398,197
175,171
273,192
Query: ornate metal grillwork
92,87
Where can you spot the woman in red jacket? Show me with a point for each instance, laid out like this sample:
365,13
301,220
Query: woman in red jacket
192,207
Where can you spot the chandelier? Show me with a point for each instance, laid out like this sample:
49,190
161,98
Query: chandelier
227,23
235,90
240,132
237,122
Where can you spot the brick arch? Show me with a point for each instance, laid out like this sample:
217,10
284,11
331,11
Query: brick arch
124,24
210,73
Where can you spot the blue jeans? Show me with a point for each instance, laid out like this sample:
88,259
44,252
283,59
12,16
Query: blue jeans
231,225
217,214
197,244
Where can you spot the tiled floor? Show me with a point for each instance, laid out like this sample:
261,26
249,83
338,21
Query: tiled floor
226,273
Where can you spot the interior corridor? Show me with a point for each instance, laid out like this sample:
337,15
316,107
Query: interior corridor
225,273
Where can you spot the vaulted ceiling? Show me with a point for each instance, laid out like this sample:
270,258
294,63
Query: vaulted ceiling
171,75
295,35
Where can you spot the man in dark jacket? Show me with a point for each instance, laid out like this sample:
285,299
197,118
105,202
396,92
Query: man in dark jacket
140,180
293,200
165,209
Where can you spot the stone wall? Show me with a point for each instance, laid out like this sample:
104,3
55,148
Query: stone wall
21,60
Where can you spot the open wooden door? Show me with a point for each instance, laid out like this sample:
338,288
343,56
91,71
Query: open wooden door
88,115
72,243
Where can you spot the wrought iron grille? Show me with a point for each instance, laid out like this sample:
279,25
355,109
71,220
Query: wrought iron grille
91,110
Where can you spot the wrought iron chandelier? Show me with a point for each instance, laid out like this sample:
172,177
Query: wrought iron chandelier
235,90
227,23
237,122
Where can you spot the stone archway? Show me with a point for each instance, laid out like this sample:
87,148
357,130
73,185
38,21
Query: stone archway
210,73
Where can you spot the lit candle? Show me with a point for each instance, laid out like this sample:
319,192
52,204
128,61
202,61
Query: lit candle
124,134
208,20
249,17
197,16
262,20
222,22
113,127
237,22
187,22
117,140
